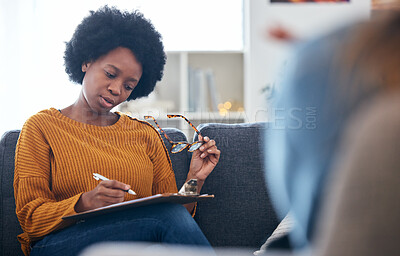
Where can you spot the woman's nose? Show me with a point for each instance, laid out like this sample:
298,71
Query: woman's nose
114,88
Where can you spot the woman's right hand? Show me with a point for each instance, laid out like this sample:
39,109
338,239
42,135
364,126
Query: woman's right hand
106,193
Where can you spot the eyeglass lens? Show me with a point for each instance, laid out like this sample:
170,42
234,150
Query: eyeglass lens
195,146
178,148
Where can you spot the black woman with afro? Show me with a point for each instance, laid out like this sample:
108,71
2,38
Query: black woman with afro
116,56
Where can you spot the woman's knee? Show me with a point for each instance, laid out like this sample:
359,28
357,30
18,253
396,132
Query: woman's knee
175,214
180,227
174,210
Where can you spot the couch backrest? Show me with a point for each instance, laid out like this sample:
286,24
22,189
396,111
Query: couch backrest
241,213
9,225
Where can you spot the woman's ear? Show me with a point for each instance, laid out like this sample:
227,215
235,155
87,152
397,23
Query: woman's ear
85,66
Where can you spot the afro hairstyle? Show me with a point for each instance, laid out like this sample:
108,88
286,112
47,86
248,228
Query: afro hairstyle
109,28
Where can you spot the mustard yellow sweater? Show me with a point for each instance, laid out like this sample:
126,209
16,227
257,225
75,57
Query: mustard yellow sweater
57,156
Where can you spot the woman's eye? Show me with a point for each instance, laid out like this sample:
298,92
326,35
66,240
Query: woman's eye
129,88
109,75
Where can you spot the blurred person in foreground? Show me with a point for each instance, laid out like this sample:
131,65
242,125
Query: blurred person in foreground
330,80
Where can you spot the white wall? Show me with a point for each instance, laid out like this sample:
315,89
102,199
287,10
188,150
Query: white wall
264,57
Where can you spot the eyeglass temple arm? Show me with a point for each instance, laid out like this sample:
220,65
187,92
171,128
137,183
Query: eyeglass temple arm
161,130
190,123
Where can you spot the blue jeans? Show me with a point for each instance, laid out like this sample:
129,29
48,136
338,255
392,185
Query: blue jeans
161,223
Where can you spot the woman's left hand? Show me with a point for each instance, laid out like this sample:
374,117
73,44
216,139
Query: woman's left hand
204,160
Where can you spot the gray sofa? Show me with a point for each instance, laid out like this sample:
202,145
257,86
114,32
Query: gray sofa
240,215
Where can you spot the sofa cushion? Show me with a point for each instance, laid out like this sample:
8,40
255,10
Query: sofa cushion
247,217
9,225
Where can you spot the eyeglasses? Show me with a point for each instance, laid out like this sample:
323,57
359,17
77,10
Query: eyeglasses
179,146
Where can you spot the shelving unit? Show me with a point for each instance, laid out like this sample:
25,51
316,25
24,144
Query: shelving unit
175,94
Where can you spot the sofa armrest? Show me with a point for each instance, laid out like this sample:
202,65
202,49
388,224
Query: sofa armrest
9,225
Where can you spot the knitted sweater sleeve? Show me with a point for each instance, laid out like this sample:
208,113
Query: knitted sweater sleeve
38,211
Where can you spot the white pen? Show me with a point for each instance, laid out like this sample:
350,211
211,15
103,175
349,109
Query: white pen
97,176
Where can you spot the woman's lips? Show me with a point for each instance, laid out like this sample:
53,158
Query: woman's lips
107,102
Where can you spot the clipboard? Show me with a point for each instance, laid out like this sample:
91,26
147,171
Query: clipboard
155,199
